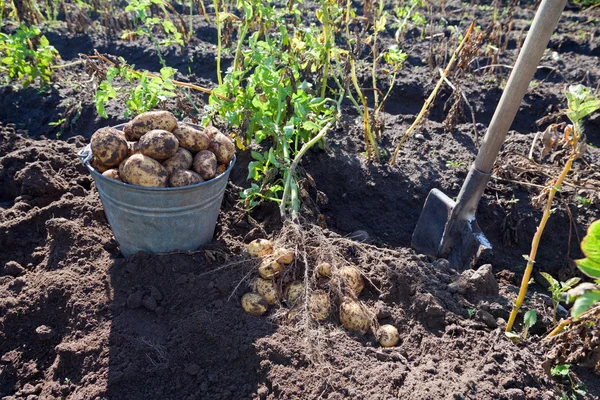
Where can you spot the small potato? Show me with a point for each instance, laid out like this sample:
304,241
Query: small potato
133,148
109,146
221,168
112,174
352,278
267,289
354,316
184,177
260,248
149,121
387,335
254,304
211,131
284,256
181,160
98,166
293,292
269,269
205,164
190,138
223,148
159,144
319,305
142,170
324,270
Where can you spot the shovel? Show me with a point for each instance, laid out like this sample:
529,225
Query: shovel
448,228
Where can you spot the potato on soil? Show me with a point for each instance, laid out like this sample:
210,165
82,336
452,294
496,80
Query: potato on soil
98,166
324,270
293,292
181,160
205,164
190,138
184,177
133,148
109,146
254,304
354,316
267,288
112,174
159,144
319,305
149,121
269,269
260,248
387,335
142,170
223,148
284,256
352,278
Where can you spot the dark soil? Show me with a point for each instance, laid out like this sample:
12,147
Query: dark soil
79,321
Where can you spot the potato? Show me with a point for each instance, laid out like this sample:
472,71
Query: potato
221,168
182,159
269,269
205,164
284,256
260,248
149,121
354,316
211,131
324,270
268,289
254,304
352,278
293,292
98,166
387,335
142,170
319,305
109,146
112,174
159,144
133,148
184,177
190,138
223,148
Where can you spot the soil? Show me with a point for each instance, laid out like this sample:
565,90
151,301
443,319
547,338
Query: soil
80,321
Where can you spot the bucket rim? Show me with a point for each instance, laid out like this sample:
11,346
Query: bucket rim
86,156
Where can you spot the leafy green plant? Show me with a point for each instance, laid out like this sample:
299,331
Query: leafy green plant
454,164
590,245
27,56
580,103
563,372
558,290
529,320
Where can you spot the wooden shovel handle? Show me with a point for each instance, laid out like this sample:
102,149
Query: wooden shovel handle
545,21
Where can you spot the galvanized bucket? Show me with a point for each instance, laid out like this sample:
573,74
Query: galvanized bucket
159,220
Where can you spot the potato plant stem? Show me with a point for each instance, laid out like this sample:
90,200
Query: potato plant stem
218,18
370,142
536,242
433,94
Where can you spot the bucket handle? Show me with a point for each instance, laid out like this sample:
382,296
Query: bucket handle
85,155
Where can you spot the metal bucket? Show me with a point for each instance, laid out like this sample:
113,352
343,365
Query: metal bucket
159,220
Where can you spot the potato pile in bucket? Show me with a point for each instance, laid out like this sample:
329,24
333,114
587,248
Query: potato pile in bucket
155,150
267,291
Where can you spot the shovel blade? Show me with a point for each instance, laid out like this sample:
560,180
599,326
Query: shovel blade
427,237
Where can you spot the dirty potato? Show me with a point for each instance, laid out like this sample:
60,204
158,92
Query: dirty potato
284,256
268,289
109,146
260,247
181,160
352,279
319,305
190,138
183,177
254,304
205,164
133,148
223,148
269,269
159,144
149,121
354,316
112,174
142,170
324,270
293,292
221,168
211,131
387,335
99,166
